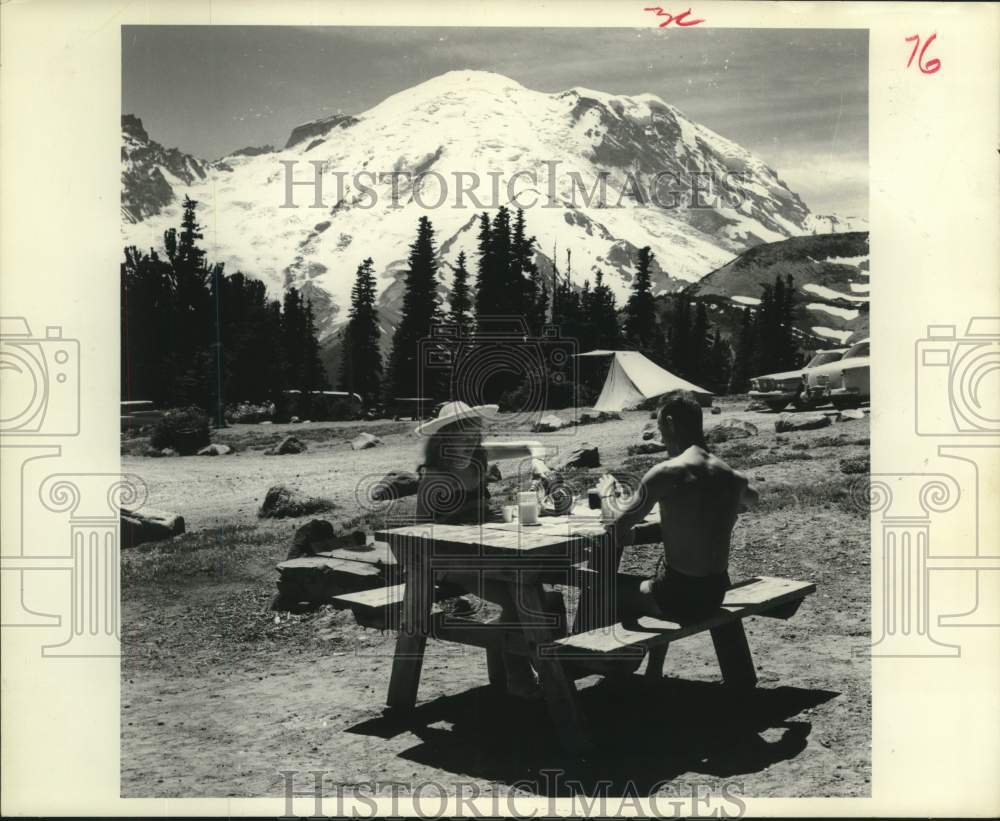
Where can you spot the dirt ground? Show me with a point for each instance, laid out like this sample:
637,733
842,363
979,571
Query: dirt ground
220,695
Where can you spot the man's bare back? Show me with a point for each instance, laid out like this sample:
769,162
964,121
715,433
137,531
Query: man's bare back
700,497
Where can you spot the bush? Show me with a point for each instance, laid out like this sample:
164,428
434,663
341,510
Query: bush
183,429
558,395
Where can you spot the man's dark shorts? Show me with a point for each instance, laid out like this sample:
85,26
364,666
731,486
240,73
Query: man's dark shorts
683,598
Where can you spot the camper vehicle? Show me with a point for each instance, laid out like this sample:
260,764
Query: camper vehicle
776,390
845,383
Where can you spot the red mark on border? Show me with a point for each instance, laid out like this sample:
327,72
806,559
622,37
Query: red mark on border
677,19
932,65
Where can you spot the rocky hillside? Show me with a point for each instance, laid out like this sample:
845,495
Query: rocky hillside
831,276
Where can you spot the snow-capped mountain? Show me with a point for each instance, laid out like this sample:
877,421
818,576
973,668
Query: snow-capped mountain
152,174
465,123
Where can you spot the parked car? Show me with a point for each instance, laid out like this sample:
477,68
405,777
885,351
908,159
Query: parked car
776,390
846,383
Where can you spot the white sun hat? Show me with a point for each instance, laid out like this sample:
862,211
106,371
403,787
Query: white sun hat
451,412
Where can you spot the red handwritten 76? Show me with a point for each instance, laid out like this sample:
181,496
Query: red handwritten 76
932,65
679,19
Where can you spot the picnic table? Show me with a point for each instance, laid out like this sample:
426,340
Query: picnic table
572,550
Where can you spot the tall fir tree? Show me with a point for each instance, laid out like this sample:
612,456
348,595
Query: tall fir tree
642,328
486,287
745,356
420,313
460,301
361,366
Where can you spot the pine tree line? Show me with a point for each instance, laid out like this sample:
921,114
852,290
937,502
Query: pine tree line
192,336
766,342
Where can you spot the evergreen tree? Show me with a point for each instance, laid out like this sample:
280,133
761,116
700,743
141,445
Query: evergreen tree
486,286
679,336
193,336
719,364
745,357
361,367
508,292
314,374
420,313
642,329
460,302
699,345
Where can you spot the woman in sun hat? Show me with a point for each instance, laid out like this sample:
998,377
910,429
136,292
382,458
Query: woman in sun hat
453,473
453,489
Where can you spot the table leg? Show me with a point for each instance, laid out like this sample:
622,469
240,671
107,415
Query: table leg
418,599
733,652
557,687
654,664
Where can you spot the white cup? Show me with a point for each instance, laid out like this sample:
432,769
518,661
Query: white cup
527,503
510,513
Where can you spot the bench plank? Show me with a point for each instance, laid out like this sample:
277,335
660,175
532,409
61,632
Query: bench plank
749,598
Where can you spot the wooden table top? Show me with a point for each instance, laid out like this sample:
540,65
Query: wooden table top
554,536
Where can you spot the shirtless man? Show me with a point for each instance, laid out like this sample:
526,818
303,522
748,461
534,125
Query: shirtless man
699,497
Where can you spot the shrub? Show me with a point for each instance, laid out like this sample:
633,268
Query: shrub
855,464
183,429
557,395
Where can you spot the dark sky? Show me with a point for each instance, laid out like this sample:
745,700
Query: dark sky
797,98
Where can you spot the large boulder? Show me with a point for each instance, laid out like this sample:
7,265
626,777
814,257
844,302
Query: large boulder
548,424
281,501
650,431
395,485
851,413
734,429
215,450
365,440
789,423
149,525
583,455
493,473
290,444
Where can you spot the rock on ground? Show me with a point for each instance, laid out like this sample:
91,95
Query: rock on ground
735,429
149,525
548,424
320,535
281,501
365,440
215,450
394,485
583,455
646,447
290,444
852,413
493,474
801,421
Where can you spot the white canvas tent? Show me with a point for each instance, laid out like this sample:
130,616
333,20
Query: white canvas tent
632,379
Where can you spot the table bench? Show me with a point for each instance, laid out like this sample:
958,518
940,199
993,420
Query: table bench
521,561
618,647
